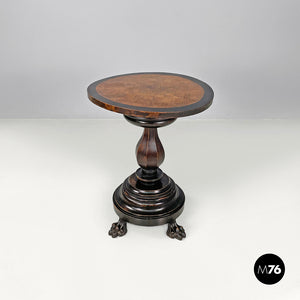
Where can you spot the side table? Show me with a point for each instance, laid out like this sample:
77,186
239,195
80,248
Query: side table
150,197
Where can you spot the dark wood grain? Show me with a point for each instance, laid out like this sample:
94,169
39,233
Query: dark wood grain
151,95
149,150
148,196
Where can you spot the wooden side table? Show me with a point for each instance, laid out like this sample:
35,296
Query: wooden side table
150,197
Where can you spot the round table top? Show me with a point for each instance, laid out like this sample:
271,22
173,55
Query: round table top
152,95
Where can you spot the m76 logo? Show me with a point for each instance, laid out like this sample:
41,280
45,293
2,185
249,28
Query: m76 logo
269,269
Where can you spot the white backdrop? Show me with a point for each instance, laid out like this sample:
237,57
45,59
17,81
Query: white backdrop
248,51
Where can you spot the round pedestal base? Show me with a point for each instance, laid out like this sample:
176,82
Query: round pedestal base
148,203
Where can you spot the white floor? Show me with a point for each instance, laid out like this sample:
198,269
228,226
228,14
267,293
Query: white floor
242,186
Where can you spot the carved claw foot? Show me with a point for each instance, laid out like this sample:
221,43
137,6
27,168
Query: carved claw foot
118,229
175,231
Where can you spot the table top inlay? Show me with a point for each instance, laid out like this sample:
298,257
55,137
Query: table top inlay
151,95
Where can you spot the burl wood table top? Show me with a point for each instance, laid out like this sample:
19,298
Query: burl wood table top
152,95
